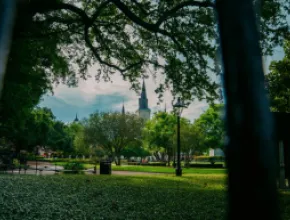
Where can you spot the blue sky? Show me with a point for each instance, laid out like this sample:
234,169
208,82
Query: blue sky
91,96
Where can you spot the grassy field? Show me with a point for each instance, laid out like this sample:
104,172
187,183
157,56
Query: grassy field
113,197
193,196
167,169
153,169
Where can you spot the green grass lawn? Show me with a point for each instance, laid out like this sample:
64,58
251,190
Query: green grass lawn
112,197
153,169
78,197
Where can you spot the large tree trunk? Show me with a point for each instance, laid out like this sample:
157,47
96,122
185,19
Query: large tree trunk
118,160
168,160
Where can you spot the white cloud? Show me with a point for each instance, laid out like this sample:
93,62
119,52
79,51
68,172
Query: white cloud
87,93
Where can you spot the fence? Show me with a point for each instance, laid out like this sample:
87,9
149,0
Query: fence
12,163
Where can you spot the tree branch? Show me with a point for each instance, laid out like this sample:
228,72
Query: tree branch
99,10
172,11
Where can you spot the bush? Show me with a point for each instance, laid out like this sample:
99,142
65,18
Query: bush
200,165
33,158
73,168
210,159
157,164
133,163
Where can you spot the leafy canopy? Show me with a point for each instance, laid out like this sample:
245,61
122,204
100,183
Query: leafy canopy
278,82
174,38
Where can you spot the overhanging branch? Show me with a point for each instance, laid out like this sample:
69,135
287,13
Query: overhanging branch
168,13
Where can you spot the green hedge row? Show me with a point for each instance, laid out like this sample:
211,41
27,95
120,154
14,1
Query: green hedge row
200,165
210,159
160,164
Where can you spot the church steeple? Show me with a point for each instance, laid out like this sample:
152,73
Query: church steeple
144,111
143,101
76,119
123,109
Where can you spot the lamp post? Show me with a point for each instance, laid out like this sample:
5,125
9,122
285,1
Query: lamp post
179,107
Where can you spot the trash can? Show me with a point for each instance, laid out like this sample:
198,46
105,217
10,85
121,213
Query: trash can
105,167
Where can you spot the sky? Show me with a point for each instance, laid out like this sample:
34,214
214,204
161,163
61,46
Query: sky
91,96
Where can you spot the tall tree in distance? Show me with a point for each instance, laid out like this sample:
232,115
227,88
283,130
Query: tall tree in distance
211,125
278,82
113,132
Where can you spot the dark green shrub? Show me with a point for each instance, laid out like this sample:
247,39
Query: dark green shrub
133,163
209,159
204,165
73,168
157,164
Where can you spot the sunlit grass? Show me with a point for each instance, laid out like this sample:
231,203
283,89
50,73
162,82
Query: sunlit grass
153,169
192,196
112,197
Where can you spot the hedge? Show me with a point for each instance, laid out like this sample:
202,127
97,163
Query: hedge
160,164
210,159
157,164
200,165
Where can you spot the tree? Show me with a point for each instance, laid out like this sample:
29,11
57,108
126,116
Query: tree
191,140
112,131
81,147
34,63
159,132
34,132
135,151
278,82
60,138
172,37
211,125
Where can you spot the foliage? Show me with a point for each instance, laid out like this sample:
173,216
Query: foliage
73,167
76,132
278,82
191,140
34,63
172,37
134,151
211,126
159,131
114,197
210,159
33,132
60,139
113,132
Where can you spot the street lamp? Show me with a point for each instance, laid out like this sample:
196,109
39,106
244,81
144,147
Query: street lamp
179,107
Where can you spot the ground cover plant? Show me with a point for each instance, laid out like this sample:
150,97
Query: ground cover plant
112,197
151,169
170,170
193,196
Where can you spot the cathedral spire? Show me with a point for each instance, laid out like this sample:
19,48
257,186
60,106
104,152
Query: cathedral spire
123,108
143,101
76,119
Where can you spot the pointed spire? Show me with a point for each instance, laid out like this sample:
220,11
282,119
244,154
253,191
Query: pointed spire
123,108
143,101
76,119
143,93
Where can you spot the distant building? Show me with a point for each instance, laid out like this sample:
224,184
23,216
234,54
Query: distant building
216,152
76,119
144,111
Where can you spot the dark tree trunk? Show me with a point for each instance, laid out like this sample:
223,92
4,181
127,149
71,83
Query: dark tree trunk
248,120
